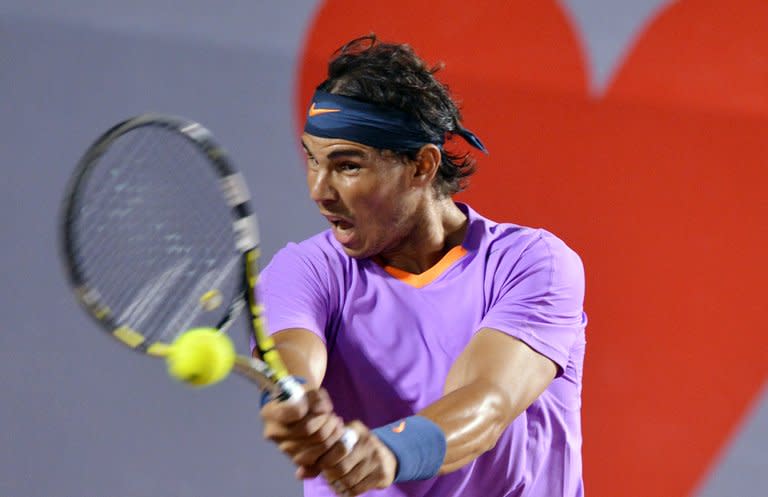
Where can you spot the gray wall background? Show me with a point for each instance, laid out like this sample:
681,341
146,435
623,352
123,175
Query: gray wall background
81,416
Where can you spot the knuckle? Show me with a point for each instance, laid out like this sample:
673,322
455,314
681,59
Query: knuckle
353,484
318,421
338,488
311,456
287,448
308,426
356,489
299,431
333,457
317,439
338,470
364,435
311,472
291,413
331,432
306,430
357,425
269,432
302,459
344,467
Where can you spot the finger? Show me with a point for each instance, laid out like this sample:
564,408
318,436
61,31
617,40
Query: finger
302,455
358,473
319,401
306,453
355,434
305,472
342,466
312,428
369,482
321,465
286,421
334,456
347,437
348,440
339,489
314,423
296,438
280,432
285,412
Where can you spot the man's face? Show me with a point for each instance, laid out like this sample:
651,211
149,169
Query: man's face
368,196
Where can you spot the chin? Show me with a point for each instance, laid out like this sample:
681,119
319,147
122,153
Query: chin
359,252
355,253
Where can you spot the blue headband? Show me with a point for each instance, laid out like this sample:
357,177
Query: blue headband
337,116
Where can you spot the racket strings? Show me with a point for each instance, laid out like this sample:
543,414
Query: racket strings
98,252
174,246
124,182
154,234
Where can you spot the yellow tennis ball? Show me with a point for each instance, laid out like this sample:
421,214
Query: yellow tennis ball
201,357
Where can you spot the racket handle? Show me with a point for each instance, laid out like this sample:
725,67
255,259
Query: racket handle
289,389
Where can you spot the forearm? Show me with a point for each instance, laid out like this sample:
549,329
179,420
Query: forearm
303,354
472,419
307,429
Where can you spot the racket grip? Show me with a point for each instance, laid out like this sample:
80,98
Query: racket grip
290,389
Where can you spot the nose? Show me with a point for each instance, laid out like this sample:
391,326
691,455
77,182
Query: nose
320,188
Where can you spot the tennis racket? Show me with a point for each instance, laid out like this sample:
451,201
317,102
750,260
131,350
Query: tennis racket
158,237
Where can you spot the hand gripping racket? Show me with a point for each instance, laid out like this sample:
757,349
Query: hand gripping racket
158,237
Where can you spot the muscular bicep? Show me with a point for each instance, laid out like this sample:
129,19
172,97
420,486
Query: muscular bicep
303,353
494,379
502,362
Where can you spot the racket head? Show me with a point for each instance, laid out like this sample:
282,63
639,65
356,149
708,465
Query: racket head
156,229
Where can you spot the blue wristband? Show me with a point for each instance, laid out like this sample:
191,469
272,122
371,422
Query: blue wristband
418,445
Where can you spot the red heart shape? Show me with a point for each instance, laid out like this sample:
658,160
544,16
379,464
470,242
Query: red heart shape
659,185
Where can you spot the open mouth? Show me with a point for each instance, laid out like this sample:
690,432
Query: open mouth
341,224
343,229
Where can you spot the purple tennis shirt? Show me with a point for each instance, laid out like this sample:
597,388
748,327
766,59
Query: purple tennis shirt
392,338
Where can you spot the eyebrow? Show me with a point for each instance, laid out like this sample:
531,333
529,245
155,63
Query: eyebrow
349,152
336,154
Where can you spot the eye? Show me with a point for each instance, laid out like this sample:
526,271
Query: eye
349,167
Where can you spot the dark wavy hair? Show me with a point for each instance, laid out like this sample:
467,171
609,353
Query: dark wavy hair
393,75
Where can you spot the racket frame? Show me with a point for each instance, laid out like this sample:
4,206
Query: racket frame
269,372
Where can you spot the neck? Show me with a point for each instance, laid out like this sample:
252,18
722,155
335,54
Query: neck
440,228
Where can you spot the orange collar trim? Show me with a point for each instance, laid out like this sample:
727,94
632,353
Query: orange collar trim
431,274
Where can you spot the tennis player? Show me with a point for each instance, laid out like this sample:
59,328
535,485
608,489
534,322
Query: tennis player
452,344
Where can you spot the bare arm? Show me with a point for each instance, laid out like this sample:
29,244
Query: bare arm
494,379
303,353
303,430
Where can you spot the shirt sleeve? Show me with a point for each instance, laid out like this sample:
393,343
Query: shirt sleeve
294,289
541,297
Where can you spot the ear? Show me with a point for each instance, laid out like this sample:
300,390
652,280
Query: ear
427,163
